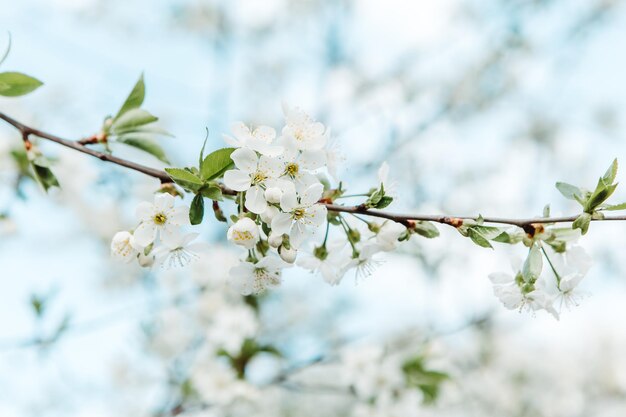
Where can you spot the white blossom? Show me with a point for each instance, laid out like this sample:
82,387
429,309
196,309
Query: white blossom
515,293
260,139
287,255
572,266
179,251
388,235
244,232
123,246
250,176
159,218
299,213
332,267
304,132
254,278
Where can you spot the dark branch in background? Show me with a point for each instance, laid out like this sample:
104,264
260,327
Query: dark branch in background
405,219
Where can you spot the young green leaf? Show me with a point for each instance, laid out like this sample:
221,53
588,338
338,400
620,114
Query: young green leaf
602,192
145,145
134,99
148,130
615,207
14,84
184,178
509,238
478,238
43,174
196,211
582,223
384,202
569,191
216,163
131,120
212,192
611,173
426,229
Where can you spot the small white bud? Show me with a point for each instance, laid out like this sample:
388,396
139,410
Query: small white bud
275,240
146,261
269,213
273,195
288,255
123,246
244,233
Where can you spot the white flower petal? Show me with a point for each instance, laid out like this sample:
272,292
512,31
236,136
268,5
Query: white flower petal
313,160
178,216
281,223
264,133
289,200
299,233
312,194
255,200
237,180
144,210
145,233
163,201
245,159
272,167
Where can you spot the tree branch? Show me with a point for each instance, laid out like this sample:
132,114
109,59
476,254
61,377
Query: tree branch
405,219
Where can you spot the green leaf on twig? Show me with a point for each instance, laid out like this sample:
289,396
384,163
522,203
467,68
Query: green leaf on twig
14,84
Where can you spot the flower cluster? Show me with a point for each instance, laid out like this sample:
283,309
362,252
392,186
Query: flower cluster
158,239
529,289
282,186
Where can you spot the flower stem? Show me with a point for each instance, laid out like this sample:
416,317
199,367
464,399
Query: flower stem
556,274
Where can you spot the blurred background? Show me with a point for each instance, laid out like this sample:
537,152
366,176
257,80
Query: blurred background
478,107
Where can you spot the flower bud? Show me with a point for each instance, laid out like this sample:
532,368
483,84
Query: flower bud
273,195
244,233
275,240
145,261
123,246
269,214
288,255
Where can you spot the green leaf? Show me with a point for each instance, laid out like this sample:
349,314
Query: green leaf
144,130
570,191
615,207
426,229
611,173
384,202
134,99
478,239
145,145
488,232
509,238
44,175
184,178
196,211
533,265
212,192
582,223
602,192
132,119
216,163
13,84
